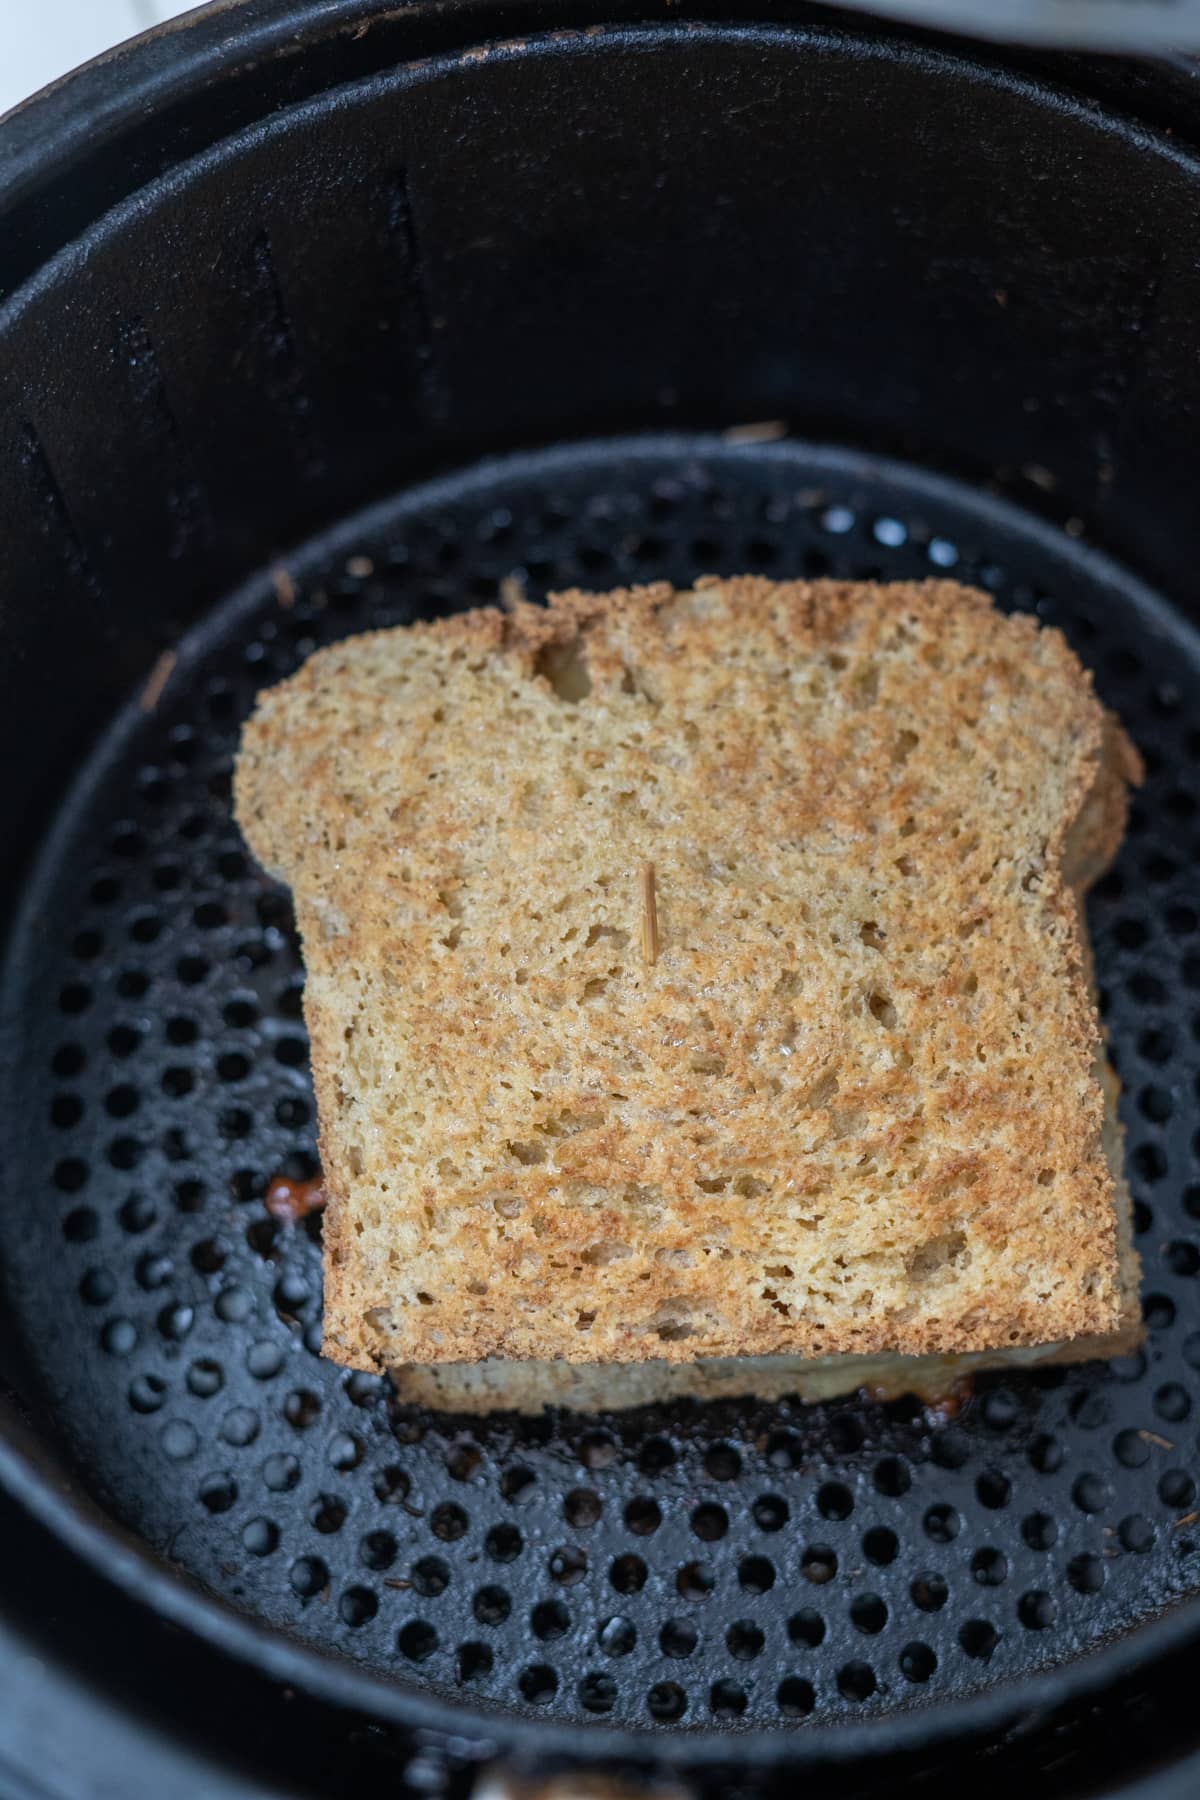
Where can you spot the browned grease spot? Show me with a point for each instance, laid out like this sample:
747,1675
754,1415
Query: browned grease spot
947,1406
941,1404
290,1201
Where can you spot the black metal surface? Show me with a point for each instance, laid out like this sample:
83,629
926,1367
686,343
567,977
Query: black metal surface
1137,27
103,1697
762,1564
298,268
273,265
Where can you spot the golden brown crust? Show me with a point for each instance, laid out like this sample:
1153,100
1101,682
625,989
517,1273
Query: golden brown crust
851,1107
531,1387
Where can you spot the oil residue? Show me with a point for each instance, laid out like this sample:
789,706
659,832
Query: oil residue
290,1201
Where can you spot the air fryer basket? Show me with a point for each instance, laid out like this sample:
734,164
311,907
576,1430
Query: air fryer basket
316,320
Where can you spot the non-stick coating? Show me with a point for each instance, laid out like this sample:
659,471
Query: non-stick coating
679,1567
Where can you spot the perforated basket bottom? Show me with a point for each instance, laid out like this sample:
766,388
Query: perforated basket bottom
766,1563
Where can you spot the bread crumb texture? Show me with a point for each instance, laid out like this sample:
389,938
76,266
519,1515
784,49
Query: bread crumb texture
850,1104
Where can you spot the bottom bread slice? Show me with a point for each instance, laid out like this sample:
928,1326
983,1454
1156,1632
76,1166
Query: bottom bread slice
530,1387
495,1385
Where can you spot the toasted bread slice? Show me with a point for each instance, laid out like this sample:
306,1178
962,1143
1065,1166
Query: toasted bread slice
842,1098
495,1385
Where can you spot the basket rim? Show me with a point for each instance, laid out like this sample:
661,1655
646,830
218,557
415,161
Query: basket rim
39,139
31,1475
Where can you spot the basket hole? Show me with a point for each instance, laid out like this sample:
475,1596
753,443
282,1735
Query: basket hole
818,1564
1046,1454
378,1552
892,1477
97,1287
597,1450
723,1462
806,1628
643,1516
491,1605
795,1697
989,1567
666,1702
868,1614
617,1636
744,1640
679,1637
448,1522
929,1592
568,1565
549,1620
942,1523
709,1522
695,1581
657,1455
1172,1402
627,1574
503,1543
260,1537
147,1393
770,1512
978,1638
327,1513
357,1606
582,1507
993,1489
1136,1534
537,1684
597,1692
835,1501
1040,1531
517,1485
281,1473
881,1546
473,1662
1176,1488
1037,1611
727,1700
81,1225
784,1449
417,1640
917,1662
856,1681
756,1575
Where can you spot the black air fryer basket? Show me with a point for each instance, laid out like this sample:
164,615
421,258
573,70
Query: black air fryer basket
314,317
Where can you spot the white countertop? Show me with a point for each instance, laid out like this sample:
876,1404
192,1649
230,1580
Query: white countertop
41,39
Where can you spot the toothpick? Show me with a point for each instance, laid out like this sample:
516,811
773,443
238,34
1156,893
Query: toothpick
159,676
512,592
284,586
649,915
759,431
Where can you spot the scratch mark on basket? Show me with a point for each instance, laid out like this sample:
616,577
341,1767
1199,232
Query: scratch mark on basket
187,504
287,386
403,227
52,512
